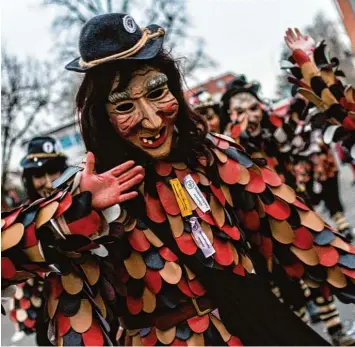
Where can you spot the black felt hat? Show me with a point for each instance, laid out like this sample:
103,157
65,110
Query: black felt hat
115,36
40,151
241,85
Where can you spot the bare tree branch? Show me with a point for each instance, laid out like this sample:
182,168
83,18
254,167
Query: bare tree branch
26,93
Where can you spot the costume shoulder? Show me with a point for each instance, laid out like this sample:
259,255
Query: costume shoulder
282,225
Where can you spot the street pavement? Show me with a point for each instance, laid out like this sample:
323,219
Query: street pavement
347,312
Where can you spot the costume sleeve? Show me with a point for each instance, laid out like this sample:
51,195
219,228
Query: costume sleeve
63,237
319,84
283,227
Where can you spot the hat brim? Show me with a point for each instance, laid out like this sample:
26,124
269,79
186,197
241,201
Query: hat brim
40,163
148,51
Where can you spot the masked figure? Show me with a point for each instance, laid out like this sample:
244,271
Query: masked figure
41,166
203,104
171,262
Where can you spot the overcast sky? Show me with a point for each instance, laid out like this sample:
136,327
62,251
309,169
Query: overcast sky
243,36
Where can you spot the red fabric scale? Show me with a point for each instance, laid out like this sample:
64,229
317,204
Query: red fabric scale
29,323
205,216
295,271
270,177
199,324
30,236
8,269
218,193
239,270
251,220
25,303
304,238
224,254
347,272
186,244
256,184
328,255
154,209
10,219
138,240
150,339
167,254
196,287
235,341
163,168
184,287
56,287
86,226
167,199
300,205
178,342
230,171
64,205
220,143
153,281
63,323
94,336
134,305
231,231
266,247
278,209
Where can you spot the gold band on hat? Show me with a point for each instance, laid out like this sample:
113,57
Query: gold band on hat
146,36
44,155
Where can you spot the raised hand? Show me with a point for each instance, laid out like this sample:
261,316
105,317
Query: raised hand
295,40
111,187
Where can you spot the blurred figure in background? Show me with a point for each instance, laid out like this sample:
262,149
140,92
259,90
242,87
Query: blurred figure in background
42,165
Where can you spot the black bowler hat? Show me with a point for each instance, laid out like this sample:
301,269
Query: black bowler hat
40,151
115,36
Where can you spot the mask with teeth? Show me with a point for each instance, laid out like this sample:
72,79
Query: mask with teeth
144,113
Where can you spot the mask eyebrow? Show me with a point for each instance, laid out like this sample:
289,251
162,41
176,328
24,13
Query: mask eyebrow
156,81
115,97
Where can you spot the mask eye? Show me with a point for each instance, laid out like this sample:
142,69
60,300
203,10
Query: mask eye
126,107
156,94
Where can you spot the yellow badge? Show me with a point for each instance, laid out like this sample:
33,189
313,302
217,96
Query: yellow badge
180,197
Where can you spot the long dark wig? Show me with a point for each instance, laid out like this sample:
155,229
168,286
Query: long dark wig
53,165
97,131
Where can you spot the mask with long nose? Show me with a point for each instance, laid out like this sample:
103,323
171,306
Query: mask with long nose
145,112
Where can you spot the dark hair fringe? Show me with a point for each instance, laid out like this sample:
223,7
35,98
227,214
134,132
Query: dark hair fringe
99,136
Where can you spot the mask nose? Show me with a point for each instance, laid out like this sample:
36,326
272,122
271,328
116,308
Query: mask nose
150,119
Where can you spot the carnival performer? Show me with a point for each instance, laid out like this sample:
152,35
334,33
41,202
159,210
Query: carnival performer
264,134
42,164
171,260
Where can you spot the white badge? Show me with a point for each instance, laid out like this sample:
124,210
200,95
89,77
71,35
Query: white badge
129,24
201,238
48,147
195,193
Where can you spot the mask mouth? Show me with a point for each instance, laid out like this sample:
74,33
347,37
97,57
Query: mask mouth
156,140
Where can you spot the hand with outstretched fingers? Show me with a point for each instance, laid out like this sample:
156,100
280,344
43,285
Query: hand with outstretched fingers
295,40
113,186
